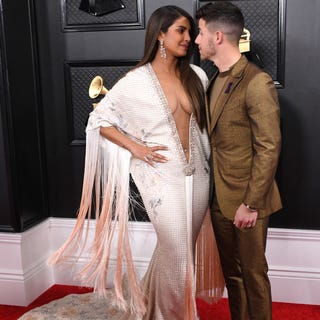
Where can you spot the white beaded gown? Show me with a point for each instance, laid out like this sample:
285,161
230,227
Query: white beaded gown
175,195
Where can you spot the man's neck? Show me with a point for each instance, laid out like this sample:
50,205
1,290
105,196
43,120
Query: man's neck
227,61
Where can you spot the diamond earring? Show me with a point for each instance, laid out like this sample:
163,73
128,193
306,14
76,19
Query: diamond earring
163,53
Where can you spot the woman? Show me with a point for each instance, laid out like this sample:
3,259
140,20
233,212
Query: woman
150,125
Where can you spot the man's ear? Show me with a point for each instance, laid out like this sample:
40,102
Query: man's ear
218,37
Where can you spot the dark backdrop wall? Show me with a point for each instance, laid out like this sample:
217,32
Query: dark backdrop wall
47,61
22,185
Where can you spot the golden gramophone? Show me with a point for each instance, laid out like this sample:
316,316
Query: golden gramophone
244,43
96,88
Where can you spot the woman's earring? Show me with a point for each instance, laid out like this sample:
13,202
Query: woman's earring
163,53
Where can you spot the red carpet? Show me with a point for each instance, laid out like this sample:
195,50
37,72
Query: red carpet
219,311
55,292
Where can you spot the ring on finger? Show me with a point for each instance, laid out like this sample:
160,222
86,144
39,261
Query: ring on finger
149,156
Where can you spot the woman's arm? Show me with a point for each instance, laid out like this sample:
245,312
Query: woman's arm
142,152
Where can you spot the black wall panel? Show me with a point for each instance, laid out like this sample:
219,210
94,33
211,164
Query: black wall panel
8,220
299,169
131,16
22,123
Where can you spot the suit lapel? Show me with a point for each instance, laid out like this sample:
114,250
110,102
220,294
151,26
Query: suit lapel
207,97
227,90
225,95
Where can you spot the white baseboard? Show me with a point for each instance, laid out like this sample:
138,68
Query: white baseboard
294,264
24,274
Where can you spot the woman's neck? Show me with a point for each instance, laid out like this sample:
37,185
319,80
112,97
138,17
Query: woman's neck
168,65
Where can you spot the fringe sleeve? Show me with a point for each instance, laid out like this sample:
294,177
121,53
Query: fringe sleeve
106,193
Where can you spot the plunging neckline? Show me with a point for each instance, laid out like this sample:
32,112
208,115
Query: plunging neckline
188,163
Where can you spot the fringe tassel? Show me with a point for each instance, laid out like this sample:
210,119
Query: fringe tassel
190,303
209,276
190,310
107,173
75,242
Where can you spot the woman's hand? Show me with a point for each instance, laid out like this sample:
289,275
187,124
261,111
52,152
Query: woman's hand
139,151
148,154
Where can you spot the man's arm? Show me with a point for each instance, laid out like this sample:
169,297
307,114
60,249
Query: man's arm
264,115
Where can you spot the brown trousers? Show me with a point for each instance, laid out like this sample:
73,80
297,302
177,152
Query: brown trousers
244,265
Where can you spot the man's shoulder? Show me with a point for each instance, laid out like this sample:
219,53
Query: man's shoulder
254,72
254,69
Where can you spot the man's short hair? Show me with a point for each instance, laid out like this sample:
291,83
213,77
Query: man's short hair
223,15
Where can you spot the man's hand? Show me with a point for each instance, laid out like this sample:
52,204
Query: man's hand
245,218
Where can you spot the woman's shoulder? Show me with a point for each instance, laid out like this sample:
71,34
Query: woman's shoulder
132,77
137,72
130,84
201,74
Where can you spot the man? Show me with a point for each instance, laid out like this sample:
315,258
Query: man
243,125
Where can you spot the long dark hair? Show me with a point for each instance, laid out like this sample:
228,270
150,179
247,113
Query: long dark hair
160,20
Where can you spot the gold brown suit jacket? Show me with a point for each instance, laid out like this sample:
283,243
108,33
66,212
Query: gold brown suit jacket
244,131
